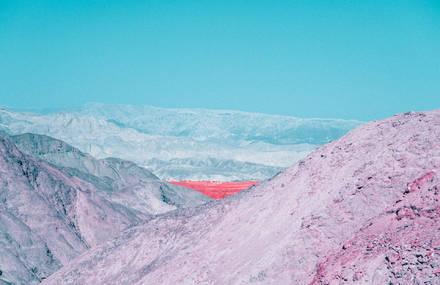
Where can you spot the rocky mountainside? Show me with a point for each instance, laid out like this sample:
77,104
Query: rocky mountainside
47,217
192,144
62,154
52,212
121,181
363,209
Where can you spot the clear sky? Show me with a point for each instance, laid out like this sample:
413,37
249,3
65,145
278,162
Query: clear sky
346,59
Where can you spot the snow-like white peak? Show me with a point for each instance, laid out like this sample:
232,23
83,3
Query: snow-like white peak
259,145
205,123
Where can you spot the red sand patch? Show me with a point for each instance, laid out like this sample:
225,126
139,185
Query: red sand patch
214,189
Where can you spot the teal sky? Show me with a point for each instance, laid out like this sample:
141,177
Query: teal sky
346,59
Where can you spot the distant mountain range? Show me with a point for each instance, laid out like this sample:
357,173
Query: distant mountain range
191,144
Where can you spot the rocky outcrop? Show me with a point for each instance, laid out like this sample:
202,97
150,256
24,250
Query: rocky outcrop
47,218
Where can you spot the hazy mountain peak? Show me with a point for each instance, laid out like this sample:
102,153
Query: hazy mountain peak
258,145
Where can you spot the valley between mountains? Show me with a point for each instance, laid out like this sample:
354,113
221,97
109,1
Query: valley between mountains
356,207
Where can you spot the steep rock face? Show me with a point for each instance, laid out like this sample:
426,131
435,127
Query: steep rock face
121,181
63,154
293,228
399,246
47,218
25,257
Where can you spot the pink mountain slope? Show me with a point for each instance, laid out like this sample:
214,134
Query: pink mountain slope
47,218
400,245
362,208
59,202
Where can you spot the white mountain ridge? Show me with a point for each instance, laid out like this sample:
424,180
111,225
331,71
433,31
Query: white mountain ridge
190,144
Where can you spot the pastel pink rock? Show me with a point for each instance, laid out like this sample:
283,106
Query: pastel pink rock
363,208
47,218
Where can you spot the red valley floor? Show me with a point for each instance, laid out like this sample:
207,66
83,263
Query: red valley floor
215,189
